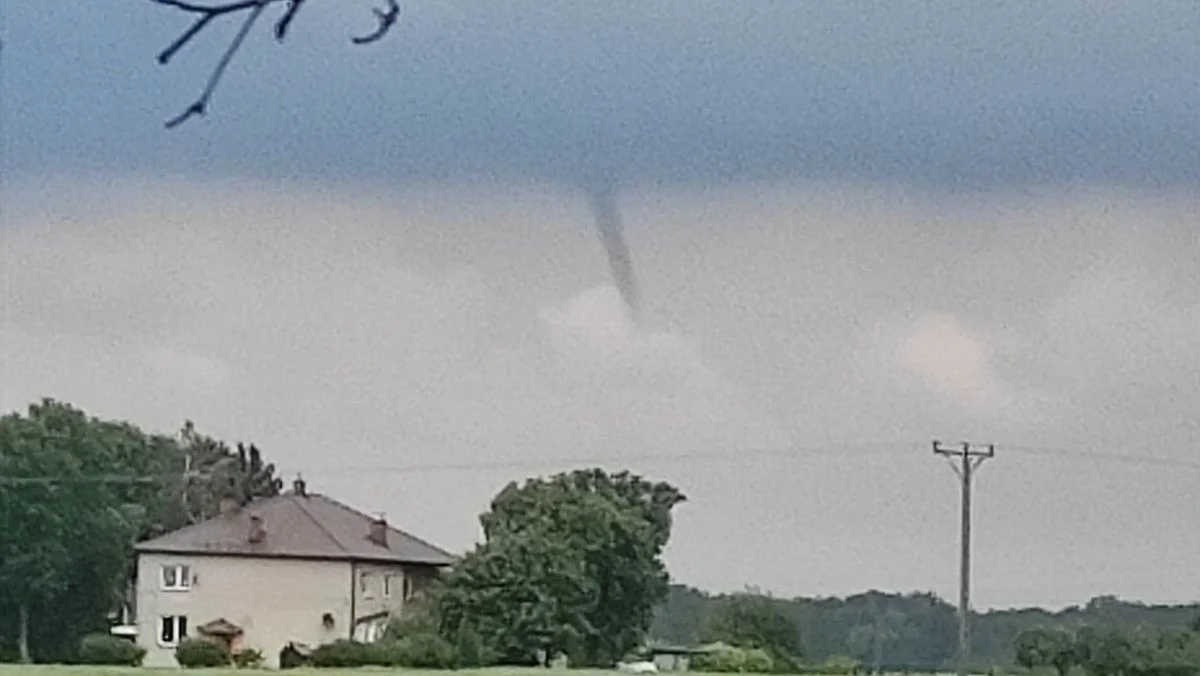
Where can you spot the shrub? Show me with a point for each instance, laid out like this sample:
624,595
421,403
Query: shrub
198,653
294,656
470,650
734,660
757,661
248,658
723,660
103,649
426,650
342,653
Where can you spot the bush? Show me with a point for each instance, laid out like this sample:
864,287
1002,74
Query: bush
294,656
198,653
426,650
733,660
757,661
722,660
107,650
342,653
248,658
470,650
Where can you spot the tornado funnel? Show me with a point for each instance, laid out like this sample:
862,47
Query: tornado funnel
612,236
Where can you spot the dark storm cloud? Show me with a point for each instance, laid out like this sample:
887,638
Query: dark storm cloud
939,94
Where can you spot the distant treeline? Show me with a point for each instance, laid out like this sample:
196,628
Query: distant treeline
916,632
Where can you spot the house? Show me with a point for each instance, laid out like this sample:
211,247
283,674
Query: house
298,568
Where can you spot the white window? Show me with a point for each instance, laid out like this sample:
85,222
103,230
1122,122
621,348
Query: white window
387,586
364,586
176,577
371,631
172,630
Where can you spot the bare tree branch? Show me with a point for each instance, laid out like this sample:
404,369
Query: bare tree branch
386,19
201,104
281,27
207,13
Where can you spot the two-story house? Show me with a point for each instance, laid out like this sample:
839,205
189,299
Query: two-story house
298,568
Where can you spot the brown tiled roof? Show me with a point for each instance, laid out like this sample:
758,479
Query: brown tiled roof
308,526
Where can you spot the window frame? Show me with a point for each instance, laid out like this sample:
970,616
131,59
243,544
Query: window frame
387,585
179,630
364,588
183,577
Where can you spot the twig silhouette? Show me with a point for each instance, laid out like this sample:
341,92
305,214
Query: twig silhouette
386,19
206,14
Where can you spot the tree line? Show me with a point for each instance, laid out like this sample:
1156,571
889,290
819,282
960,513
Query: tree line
907,632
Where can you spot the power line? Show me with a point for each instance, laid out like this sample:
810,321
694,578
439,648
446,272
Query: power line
835,451
1105,456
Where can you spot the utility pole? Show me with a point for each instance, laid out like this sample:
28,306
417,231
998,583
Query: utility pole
969,459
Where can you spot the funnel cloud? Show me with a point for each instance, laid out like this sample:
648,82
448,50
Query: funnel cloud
608,222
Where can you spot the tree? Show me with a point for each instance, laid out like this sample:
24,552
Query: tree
753,620
1107,652
868,641
1042,647
66,540
580,531
75,493
522,595
200,471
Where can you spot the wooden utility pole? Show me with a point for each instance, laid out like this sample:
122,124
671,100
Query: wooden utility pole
969,459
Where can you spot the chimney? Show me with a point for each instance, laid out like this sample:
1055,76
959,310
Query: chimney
228,506
379,529
300,488
257,532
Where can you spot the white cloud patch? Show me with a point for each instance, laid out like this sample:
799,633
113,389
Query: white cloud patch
939,358
953,361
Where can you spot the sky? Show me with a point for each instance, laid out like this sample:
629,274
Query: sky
856,228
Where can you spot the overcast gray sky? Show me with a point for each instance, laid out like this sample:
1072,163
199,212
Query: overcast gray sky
857,227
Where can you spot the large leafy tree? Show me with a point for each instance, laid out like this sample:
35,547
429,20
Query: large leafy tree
522,596
587,545
75,493
68,517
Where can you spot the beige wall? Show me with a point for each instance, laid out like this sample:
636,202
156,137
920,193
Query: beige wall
273,600
369,589
370,597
